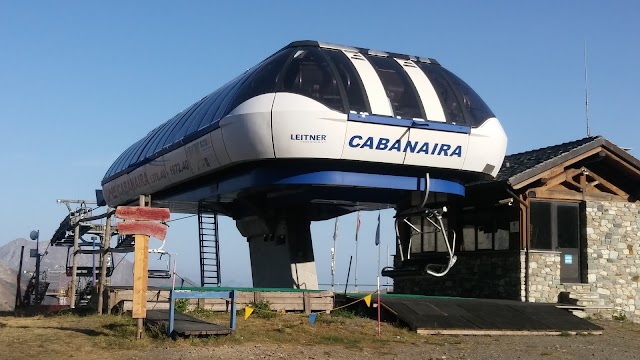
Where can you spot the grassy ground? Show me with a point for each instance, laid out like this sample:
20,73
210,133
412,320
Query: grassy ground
55,335
340,335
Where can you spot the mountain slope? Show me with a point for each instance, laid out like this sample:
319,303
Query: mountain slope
7,288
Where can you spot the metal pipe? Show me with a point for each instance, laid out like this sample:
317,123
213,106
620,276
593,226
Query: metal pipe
527,260
346,284
106,246
74,271
98,217
37,275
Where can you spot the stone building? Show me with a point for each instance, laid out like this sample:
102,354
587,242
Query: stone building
559,224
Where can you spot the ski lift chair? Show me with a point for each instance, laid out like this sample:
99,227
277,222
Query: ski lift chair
84,270
161,271
410,268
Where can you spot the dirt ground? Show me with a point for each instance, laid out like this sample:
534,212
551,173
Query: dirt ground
291,337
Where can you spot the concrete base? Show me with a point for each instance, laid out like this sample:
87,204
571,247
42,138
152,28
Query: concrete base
282,257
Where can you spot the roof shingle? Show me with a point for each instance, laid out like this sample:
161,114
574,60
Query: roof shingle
517,164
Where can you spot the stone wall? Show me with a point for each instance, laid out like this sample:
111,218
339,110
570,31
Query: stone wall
482,274
613,260
544,276
613,265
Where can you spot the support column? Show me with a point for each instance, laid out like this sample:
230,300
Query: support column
74,271
282,257
105,254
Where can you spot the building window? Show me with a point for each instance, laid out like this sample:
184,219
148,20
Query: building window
490,229
554,225
431,239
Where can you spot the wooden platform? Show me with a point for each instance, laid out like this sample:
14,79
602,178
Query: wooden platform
463,316
118,299
185,325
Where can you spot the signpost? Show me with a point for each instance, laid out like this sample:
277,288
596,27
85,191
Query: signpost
142,222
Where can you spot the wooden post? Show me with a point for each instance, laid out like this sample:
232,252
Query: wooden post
106,246
142,221
306,302
140,277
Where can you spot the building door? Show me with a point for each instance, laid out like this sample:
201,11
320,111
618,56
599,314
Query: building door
568,241
556,226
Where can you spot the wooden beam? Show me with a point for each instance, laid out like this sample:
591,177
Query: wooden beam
572,195
149,228
621,162
142,213
565,176
140,276
608,185
558,168
547,174
502,332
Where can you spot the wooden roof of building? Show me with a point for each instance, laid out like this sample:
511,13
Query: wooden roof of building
595,154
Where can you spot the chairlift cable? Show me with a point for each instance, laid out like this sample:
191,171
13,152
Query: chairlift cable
184,217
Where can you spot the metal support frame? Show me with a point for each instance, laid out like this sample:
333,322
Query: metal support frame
231,295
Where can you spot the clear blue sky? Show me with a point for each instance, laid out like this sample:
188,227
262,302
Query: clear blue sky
80,81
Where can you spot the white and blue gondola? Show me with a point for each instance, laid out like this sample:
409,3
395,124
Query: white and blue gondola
328,109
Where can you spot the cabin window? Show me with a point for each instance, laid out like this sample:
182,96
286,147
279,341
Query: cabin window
398,86
448,98
351,81
472,102
263,81
554,225
216,100
180,129
203,111
310,75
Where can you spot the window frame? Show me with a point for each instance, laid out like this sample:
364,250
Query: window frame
553,221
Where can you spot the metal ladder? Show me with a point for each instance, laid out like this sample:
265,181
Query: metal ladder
209,248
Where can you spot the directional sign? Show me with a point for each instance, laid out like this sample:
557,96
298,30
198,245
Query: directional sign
142,213
149,228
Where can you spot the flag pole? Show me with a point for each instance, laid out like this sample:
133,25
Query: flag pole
379,304
377,242
387,266
333,255
357,231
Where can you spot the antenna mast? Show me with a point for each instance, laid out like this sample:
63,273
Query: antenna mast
586,90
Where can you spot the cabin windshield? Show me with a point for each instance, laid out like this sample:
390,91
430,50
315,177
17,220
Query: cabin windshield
309,74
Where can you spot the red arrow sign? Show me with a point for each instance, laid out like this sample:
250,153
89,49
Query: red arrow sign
142,213
149,228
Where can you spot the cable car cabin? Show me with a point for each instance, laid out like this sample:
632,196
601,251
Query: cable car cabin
89,262
322,105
